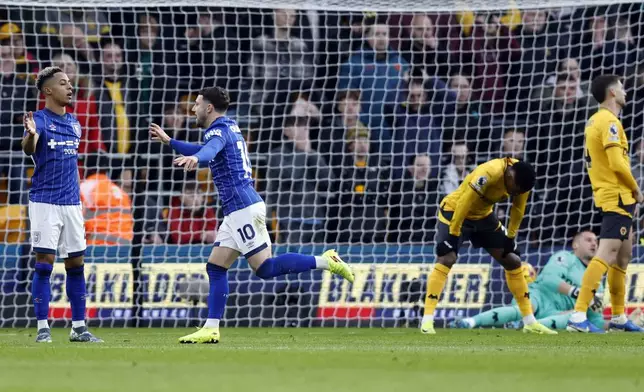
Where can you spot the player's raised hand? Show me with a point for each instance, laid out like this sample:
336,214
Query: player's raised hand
157,133
29,123
188,163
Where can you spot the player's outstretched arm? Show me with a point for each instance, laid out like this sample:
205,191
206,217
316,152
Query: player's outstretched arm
30,140
203,156
183,148
516,213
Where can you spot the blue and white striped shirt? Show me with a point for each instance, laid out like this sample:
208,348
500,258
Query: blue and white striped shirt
55,178
225,152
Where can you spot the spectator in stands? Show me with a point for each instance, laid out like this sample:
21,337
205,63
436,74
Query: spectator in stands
414,130
118,120
345,119
93,22
14,102
107,207
281,62
538,55
514,144
297,178
189,219
150,68
378,72
557,146
74,42
567,66
26,63
470,121
208,52
457,169
557,149
84,108
426,53
486,55
602,52
363,187
413,202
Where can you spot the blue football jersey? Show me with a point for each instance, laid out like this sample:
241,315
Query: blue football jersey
231,167
55,178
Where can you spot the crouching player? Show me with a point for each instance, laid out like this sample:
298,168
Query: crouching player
467,214
554,292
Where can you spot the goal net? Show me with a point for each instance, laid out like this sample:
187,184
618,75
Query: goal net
359,117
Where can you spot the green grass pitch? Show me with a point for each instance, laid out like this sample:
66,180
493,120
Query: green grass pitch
323,360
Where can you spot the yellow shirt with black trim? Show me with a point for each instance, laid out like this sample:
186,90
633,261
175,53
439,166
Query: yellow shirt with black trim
603,131
475,198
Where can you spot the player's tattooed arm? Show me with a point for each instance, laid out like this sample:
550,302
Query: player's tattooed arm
31,135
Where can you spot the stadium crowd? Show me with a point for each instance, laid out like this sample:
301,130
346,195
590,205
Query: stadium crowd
358,122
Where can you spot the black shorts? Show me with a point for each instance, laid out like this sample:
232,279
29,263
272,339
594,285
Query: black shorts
484,233
617,226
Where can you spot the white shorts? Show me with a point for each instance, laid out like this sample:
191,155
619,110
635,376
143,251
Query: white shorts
245,230
57,228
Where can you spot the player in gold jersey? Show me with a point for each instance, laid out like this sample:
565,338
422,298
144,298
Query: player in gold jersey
616,193
467,214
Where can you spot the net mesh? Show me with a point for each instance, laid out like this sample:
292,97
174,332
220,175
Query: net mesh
359,117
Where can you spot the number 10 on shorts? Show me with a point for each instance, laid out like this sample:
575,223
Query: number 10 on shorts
246,233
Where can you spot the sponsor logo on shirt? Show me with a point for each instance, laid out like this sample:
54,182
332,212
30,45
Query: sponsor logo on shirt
213,132
614,134
479,183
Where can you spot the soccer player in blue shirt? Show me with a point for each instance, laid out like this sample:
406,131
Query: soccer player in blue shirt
243,230
57,226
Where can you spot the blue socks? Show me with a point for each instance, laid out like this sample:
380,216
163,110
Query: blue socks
218,294
41,290
75,287
288,263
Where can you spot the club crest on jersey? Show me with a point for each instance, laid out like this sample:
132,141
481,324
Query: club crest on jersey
479,183
77,129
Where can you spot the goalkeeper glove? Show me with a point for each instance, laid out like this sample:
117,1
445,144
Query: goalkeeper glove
447,246
509,246
596,304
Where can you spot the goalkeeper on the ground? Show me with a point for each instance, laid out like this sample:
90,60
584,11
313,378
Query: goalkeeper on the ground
554,292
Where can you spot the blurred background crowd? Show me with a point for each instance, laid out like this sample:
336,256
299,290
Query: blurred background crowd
358,123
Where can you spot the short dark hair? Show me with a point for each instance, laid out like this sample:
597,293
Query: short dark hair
217,97
524,175
579,233
601,84
45,75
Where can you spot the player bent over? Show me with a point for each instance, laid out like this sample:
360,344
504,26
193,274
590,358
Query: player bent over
553,293
51,138
467,214
243,230
616,193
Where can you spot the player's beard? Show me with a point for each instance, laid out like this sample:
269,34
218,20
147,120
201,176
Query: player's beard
199,122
